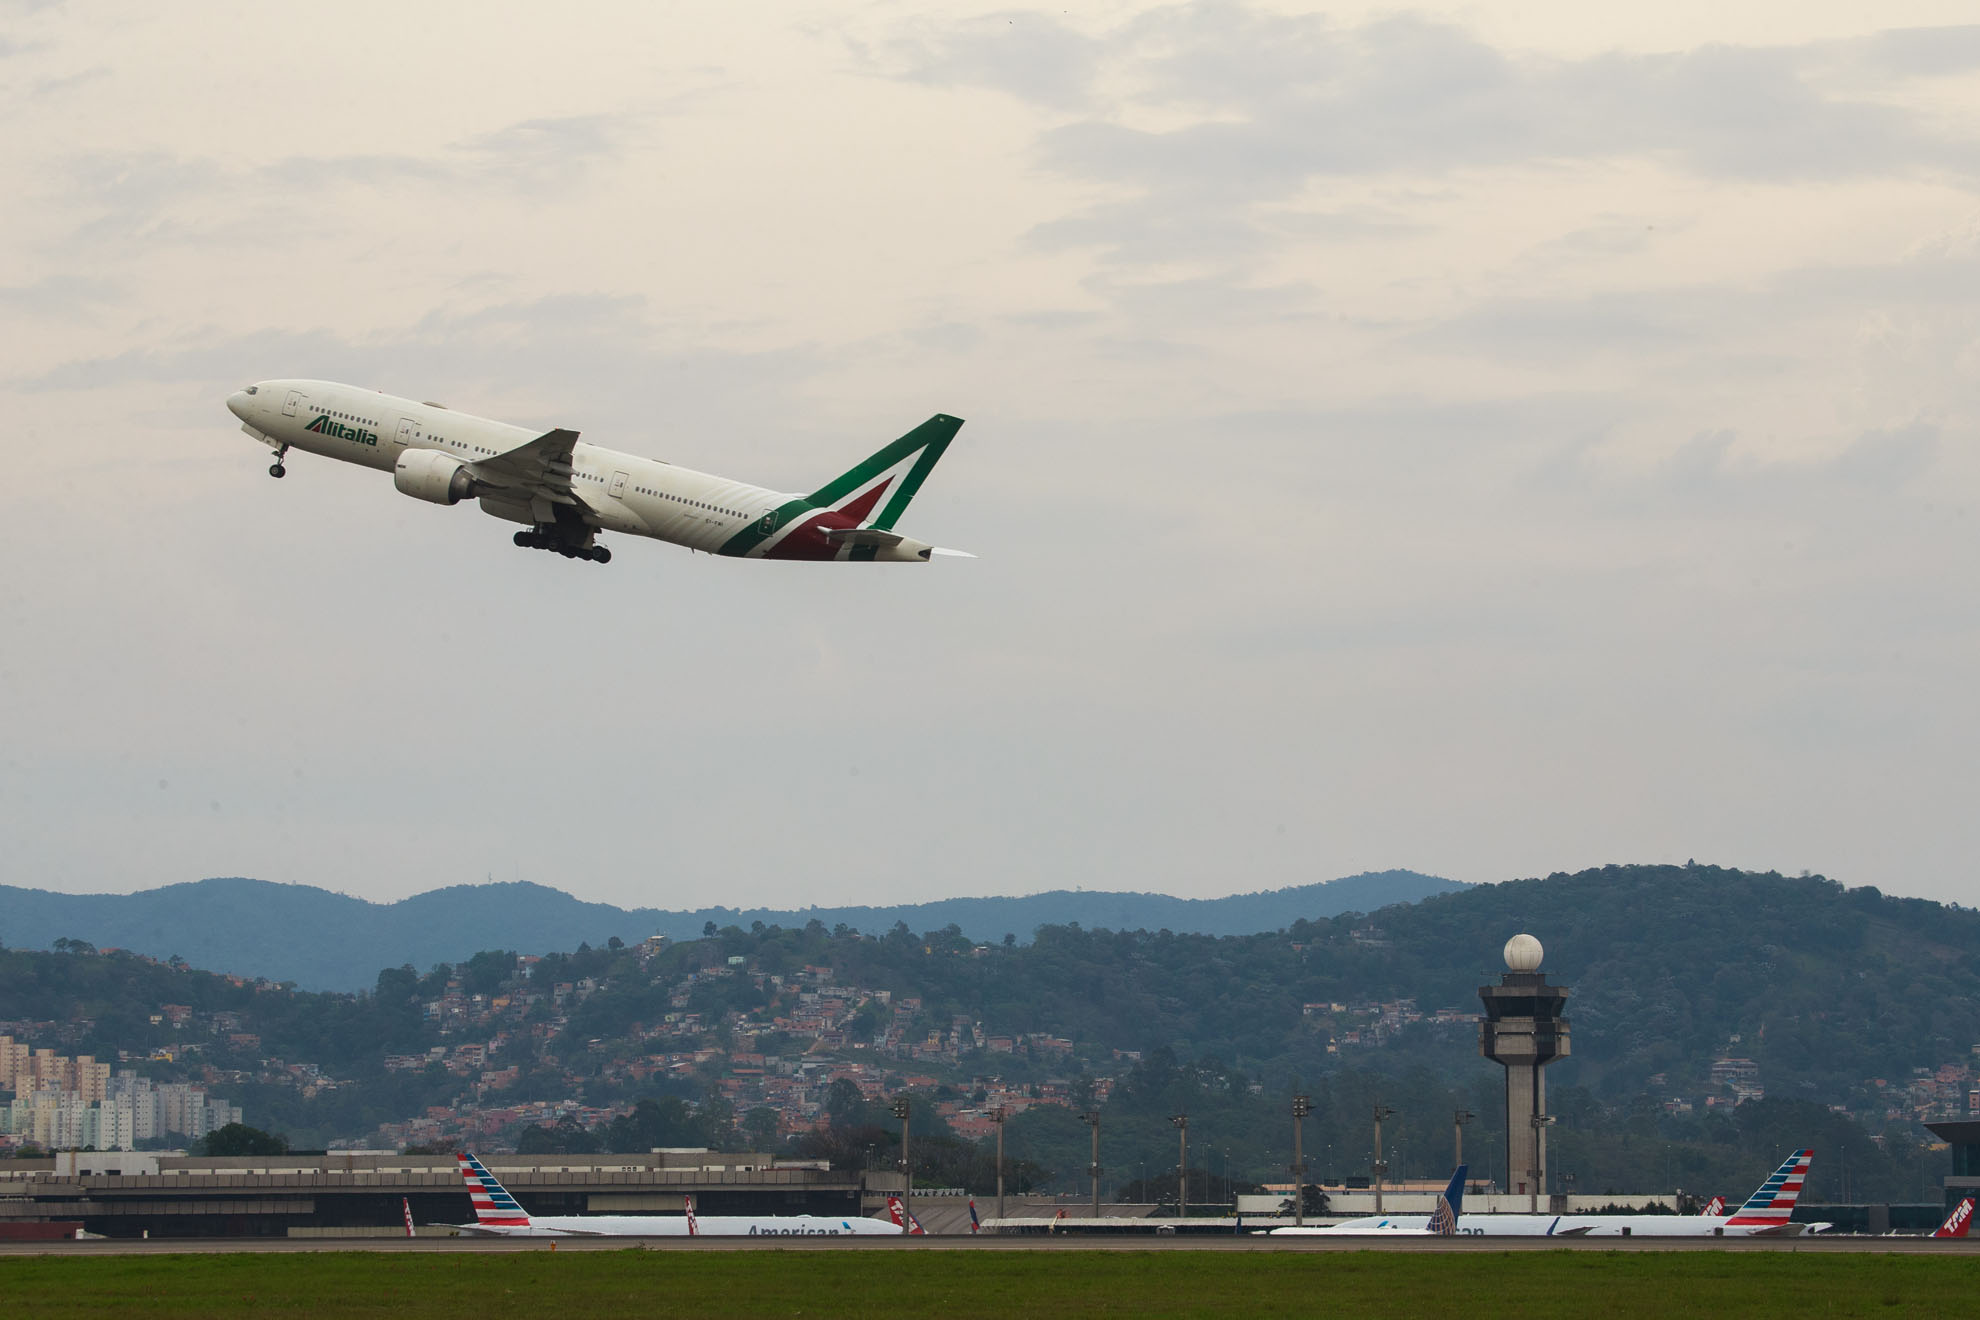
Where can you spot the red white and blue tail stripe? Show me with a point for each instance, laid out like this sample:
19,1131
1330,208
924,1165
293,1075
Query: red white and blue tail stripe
493,1206
1773,1203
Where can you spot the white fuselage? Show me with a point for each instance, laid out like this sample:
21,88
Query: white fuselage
619,492
1551,1226
761,1226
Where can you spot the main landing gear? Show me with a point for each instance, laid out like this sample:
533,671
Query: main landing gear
597,554
276,469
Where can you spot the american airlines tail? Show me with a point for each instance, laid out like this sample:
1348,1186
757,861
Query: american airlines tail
494,1209
1772,1205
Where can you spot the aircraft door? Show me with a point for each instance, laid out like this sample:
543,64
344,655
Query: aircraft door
408,431
618,485
293,402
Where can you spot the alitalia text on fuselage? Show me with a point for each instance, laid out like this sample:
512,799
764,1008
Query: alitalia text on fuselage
566,492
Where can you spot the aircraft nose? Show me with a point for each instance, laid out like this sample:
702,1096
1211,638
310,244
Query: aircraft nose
237,404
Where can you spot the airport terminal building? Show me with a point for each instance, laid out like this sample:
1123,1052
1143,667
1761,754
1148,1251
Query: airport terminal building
133,1194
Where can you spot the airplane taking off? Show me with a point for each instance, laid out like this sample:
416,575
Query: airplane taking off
566,492
498,1214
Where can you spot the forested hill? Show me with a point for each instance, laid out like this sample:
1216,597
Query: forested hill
328,941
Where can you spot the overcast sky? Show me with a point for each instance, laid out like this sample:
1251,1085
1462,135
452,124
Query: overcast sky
1488,439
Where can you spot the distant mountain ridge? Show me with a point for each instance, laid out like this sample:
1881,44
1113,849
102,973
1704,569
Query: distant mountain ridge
328,941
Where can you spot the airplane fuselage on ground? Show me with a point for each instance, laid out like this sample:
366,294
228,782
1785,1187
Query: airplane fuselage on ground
756,1226
567,491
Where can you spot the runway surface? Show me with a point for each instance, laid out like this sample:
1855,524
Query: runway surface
1068,1242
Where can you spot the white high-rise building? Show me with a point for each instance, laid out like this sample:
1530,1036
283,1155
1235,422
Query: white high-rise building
132,1109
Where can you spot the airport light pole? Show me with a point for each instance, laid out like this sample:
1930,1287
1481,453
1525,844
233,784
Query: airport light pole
1302,1105
1182,1165
1382,1111
997,1116
1462,1117
1092,1119
902,1107
1541,1122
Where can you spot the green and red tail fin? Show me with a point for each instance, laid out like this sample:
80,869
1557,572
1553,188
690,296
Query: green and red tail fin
876,493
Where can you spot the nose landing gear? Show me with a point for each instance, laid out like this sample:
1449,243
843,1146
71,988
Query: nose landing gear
276,469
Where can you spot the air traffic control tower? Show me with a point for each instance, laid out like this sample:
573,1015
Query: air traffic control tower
1523,1031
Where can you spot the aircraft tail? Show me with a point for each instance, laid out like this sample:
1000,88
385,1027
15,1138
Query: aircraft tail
1443,1220
1773,1203
493,1206
876,493
904,1220
1958,1222
694,1225
1715,1206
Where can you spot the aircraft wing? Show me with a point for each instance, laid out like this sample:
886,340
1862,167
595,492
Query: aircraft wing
537,474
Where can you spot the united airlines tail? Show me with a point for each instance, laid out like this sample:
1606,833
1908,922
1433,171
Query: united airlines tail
1443,1220
1773,1204
1960,1220
493,1206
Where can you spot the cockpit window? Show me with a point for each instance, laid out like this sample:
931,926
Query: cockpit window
251,389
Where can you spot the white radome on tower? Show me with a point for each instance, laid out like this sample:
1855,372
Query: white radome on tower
1523,954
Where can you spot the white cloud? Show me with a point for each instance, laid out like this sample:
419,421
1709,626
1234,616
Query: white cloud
1491,442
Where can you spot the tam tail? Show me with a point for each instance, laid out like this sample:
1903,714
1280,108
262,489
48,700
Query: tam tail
1958,1222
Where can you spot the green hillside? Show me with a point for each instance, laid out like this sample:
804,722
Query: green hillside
1838,998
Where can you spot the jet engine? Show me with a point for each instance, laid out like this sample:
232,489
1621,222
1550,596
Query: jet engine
428,474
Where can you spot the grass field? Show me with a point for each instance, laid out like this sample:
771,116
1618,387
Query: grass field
1570,1285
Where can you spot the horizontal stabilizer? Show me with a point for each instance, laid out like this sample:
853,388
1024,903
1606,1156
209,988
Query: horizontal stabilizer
860,536
953,554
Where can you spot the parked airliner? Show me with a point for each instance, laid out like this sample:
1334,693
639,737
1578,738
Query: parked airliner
498,1214
566,492
1766,1213
1441,1222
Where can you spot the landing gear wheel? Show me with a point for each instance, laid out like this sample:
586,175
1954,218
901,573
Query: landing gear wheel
525,541
277,471
600,555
